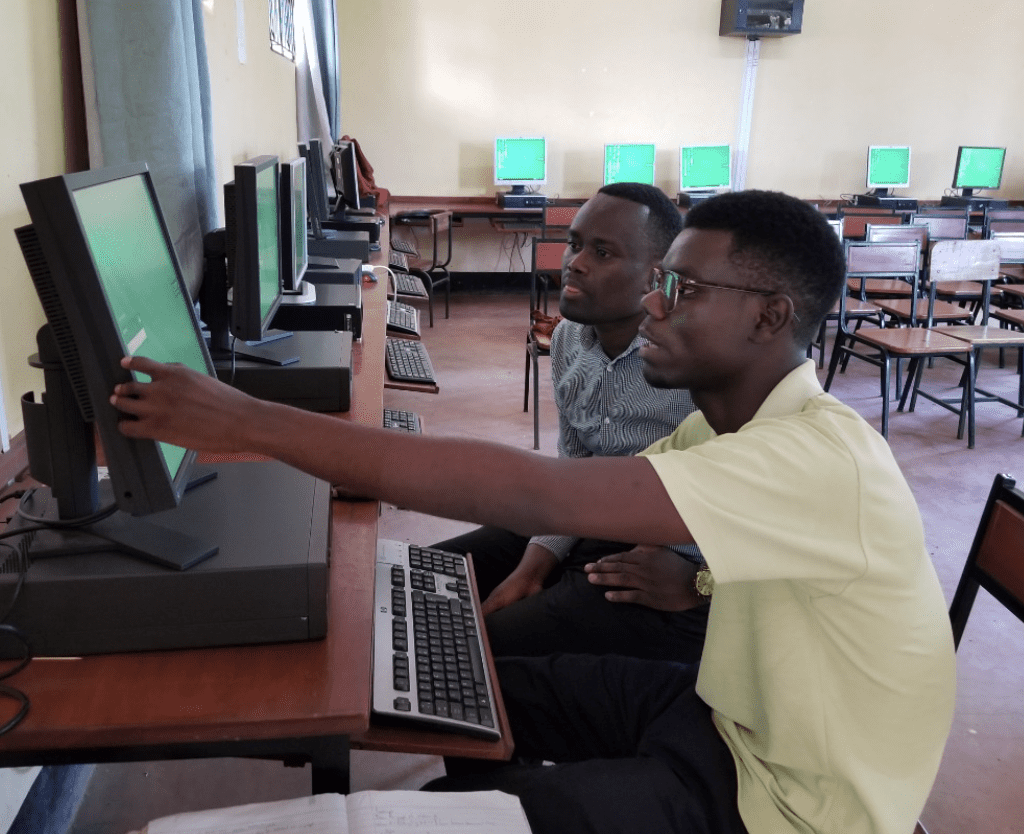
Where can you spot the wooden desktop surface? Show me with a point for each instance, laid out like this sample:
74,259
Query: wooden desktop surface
461,207
225,701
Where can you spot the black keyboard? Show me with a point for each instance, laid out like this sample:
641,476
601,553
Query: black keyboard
407,361
428,658
403,246
409,421
406,284
403,318
398,260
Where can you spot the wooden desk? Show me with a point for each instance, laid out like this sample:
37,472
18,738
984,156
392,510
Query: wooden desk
299,702
463,207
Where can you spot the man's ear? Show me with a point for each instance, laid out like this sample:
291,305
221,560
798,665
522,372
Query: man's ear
777,316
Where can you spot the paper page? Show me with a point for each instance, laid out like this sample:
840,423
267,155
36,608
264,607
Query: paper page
424,812
320,814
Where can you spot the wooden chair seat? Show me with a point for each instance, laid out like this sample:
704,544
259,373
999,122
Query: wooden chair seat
986,335
1012,317
914,341
880,287
943,310
964,291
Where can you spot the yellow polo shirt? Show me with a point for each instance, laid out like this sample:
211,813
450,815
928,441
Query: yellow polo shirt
829,657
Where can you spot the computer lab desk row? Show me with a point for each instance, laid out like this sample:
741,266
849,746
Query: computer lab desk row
299,703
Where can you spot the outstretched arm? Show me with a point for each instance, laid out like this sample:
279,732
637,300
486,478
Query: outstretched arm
620,499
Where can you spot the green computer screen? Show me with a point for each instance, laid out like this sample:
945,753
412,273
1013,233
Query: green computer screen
704,167
139,279
888,167
629,163
979,167
269,254
520,160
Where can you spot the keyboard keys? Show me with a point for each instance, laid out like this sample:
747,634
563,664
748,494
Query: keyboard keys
408,361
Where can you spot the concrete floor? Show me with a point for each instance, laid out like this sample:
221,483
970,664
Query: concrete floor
478,355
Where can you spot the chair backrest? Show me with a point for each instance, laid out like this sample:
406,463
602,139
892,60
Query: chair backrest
996,225
1011,247
546,259
942,226
996,558
963,260
558,217
441,221
837,227
896,259
855,220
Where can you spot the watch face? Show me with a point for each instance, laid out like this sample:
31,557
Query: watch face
704,582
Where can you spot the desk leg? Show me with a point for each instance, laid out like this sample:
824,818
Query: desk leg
330,767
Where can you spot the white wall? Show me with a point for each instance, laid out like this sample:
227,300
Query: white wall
428,84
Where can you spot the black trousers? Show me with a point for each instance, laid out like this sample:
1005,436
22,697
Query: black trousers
635,749
571,615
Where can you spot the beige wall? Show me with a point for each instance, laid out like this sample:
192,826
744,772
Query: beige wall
428,84
253,112
31,146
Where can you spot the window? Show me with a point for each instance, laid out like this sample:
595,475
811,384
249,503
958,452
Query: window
282,28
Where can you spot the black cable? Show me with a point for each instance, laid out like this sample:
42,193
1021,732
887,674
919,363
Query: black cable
60,524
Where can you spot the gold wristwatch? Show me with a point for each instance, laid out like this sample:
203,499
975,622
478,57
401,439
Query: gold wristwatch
704,582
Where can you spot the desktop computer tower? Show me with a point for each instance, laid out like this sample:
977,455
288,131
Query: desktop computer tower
321,379
267,582
337,244
336,307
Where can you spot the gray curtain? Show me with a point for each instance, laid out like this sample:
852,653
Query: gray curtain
325,34
147,93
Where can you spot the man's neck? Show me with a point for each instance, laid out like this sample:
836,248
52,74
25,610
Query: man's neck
616,337
730,409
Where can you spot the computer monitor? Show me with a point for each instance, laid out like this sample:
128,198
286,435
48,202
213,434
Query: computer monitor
318,179
345,169
103,264
978,167
888,168
253,245
705,168
520,162
294,246
629,163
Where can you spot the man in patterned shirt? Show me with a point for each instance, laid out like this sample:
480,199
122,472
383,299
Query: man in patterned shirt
536,596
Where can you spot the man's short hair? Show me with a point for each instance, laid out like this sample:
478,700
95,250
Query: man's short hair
785,244
664,221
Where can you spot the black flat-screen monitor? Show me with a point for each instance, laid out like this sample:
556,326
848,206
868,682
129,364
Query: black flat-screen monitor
253,244
345,168
294,245
316,179
111,286
978,167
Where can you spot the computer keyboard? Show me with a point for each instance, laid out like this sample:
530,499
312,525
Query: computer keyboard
407,361
409,421
406,284
398,260
428,657
403,246
403,318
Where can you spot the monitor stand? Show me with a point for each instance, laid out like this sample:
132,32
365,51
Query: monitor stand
306,294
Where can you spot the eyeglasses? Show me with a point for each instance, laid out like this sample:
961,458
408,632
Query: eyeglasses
673,286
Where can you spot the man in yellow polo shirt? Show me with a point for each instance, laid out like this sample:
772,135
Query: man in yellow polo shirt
825,692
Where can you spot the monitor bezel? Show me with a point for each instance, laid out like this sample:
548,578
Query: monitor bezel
956,167
247,322
654,155
704,188
292,177
520,181
141,481
887,185
347,166
319,179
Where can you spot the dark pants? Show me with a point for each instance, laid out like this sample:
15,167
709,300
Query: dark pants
634,748
571,615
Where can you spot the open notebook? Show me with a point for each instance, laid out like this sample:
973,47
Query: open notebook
366,812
